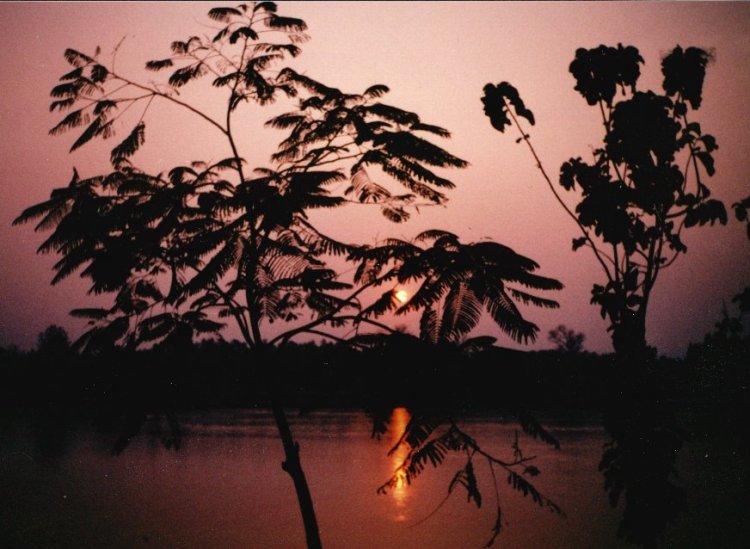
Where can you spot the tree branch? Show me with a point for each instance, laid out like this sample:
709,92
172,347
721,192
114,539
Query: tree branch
539,165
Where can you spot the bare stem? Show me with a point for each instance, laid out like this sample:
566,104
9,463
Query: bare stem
539,165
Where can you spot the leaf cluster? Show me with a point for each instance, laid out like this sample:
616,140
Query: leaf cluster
429,441
498,100
646,183
599,72
635,195
466,279
330,125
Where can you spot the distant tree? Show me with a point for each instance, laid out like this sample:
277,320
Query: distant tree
566,340
646,183
727,331
11,350
53,342
220,238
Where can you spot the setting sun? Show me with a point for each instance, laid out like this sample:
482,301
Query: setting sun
401,295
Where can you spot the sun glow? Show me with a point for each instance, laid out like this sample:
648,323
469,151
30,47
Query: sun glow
402,296
399,420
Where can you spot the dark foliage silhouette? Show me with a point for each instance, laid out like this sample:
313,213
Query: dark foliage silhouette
638,464
53,342
646,183
428,440
719,361
566,340
461,279
183,248
741,213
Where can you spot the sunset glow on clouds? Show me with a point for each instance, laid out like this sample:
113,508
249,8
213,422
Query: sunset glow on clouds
435,58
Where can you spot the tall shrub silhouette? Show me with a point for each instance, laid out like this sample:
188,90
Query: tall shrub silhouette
644,185
566,340
53,342
183,247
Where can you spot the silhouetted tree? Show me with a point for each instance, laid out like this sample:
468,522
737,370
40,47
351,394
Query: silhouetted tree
566,340
220,238
645,183
53,342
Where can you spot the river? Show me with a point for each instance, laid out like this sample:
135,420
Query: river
225,488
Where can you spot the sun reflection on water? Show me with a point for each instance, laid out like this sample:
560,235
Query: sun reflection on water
399,420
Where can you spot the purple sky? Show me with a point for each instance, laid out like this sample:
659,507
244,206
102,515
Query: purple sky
435,57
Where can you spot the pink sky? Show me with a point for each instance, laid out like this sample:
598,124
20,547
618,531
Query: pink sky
435,57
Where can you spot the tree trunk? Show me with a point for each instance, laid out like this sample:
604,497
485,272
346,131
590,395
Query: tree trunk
293,467
629,339
272,375
291,464
638,463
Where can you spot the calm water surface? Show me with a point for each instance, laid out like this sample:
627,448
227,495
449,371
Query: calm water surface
225,487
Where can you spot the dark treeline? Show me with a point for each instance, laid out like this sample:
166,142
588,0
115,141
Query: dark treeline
400,371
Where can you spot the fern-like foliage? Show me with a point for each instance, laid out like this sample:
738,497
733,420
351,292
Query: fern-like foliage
463,279
428,442
223,238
